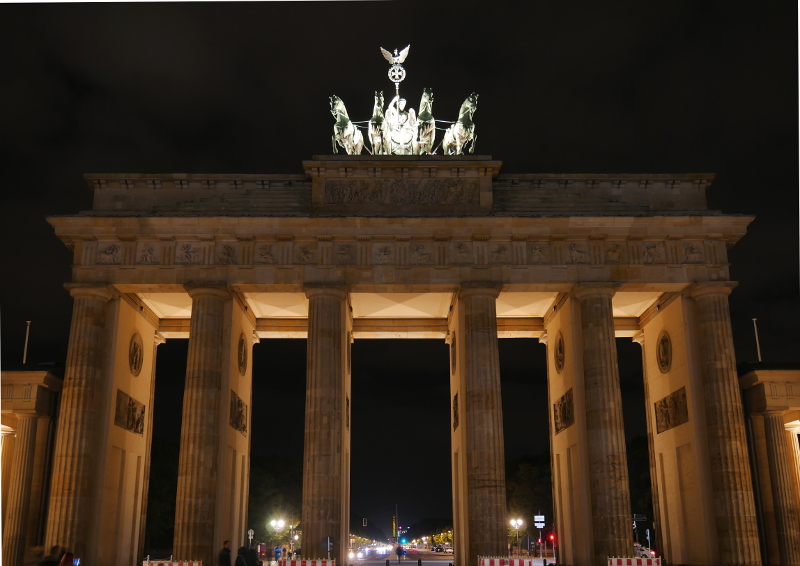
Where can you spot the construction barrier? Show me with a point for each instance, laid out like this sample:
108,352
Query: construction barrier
171,563
306,562
486,561
634,562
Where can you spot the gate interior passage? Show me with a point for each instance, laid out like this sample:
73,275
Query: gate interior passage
418,247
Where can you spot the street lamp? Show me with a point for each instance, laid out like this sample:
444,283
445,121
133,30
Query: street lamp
277,526
516,524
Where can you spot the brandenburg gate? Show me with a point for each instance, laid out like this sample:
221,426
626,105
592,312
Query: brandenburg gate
407,246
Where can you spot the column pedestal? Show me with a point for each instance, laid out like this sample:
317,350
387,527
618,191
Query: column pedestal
21,475
608,464
75,450
737,529
195,509
784,486
326,457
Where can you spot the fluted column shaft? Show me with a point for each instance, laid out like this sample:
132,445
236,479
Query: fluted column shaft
654,491
74,468
608,463
196,500
485,456
784,486
323,457
19,492
794,449
737,529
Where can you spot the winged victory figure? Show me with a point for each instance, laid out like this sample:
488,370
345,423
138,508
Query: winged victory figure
395,59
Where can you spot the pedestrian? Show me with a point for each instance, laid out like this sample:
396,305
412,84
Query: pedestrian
53,558
240,558
224,558
399,552
285,553
252,556
277,553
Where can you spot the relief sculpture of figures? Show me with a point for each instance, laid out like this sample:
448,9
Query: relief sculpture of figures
345,133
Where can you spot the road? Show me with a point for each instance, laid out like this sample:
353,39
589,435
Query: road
427,557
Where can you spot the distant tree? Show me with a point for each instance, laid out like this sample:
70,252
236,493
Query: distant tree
529,489
275,493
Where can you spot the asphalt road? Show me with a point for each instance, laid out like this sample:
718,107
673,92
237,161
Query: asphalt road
427,557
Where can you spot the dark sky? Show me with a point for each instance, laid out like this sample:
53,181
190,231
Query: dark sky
565,87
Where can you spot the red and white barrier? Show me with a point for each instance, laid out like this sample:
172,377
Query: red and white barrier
634,562
171,563
306,562
506,561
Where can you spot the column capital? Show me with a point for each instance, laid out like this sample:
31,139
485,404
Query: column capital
775,411
713,288
543,338
638,337
202,289
491,290
158,338
793,426
600,289
332,290
88,290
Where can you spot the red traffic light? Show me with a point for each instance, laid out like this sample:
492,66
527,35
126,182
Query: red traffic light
552,537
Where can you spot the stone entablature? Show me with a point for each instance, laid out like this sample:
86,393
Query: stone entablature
398,186
659,249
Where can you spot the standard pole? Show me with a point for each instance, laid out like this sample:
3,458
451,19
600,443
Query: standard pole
28,332
755,329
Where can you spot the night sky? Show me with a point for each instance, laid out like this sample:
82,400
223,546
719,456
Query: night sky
565,87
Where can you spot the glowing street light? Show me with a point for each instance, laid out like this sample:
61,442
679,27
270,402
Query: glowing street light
517,524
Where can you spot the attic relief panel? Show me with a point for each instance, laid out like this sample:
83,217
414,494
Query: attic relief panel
402,192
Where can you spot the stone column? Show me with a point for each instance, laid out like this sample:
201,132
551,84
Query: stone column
19,490
608,463
195,508
483,418
737,528
324,504
784,488
74,469
655,493
792,430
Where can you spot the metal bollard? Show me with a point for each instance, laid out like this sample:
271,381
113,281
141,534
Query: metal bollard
419,561
387,562
544,561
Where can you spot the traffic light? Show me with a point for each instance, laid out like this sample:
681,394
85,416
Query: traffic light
553,539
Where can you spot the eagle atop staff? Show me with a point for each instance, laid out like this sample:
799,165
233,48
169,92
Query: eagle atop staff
395,59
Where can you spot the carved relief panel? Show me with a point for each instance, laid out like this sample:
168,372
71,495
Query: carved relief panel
538,253
238,413
671,411
563,412
129,413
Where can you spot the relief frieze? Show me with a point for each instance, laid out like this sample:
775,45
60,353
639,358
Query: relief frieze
185,253
109,255
564,412
422,254
693,252
653,252
344,254
238,413
461,252
266,255
615,253
383,254
538,253
671,411
129,413
148,256
578,253
226,255
402,192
